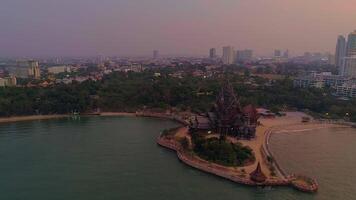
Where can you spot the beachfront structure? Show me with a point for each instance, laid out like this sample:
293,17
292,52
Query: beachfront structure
227,117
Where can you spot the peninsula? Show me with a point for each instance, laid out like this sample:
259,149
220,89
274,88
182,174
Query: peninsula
232,142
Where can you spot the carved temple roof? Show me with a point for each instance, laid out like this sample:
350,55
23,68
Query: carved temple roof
227,107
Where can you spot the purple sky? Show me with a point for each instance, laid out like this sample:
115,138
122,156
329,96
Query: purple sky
184,27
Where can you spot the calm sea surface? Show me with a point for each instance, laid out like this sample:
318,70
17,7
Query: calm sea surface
117,158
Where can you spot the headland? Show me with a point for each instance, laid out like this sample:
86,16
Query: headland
264,158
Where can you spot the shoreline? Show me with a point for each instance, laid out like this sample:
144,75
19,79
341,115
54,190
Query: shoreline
117,114
230,174
13,119
260,146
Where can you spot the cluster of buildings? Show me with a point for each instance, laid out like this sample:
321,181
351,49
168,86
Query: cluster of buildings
344,83
25,69
59,69
320,80
344,86
230,56
281,56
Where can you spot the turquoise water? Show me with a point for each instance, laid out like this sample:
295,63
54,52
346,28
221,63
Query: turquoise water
117,158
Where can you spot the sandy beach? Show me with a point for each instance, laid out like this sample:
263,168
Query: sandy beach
29,118
118,114
44,117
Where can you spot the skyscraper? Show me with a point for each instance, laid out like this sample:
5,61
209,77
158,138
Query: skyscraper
155,54
228,55
351,45
340,53
212,53
349,65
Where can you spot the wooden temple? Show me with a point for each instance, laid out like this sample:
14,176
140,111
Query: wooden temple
227,117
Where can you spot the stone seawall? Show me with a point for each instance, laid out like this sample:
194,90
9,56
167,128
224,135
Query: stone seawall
224,172
268,153
213,168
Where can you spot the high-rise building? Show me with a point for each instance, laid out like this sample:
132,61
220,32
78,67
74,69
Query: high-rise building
331,59
349,63
349,68
244,55
155,54
280,55
212,53
351,45
277,53
8,81
26,69
340,53
286,54
34,69
228,57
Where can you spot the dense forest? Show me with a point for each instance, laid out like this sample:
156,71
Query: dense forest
133,91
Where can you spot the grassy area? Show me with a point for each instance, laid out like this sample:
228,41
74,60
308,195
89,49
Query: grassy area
170,133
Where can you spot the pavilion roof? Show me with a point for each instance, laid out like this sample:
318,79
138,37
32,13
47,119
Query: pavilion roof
258,175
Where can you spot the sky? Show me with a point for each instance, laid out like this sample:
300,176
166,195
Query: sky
174,27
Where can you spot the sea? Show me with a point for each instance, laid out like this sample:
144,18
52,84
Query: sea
114,158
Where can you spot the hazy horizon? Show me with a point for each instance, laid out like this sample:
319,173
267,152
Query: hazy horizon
185,27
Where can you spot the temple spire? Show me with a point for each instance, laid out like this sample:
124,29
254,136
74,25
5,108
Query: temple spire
257,175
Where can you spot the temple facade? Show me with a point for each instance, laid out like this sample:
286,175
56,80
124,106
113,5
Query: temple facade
227,117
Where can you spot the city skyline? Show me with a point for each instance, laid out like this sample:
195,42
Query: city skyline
134,28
